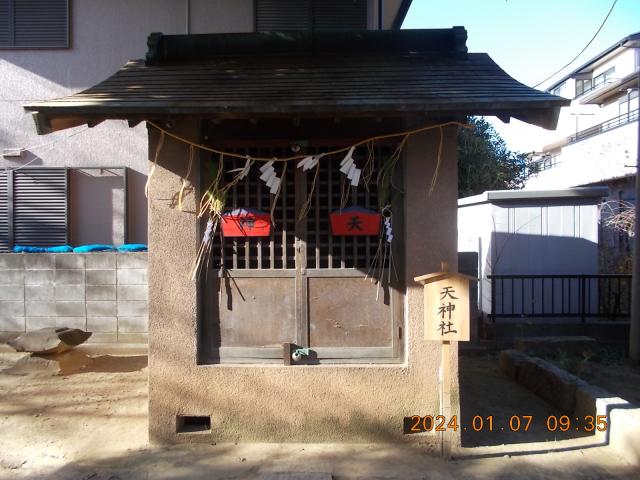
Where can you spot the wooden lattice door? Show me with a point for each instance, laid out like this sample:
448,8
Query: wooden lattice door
302,285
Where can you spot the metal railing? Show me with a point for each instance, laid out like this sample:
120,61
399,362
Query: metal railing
610,124
561,296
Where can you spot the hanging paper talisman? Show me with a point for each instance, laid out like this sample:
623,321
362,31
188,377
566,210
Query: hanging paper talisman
246,222
355,221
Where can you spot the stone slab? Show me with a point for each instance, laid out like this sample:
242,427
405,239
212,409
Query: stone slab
133,308
133,292
132,276
69,277
11,261
69,292
100,261
132,260
133,324
509,361
101,277
101,292
49,340
38,261
34,293
102,324
38,277
11,292
101,309
70,309
69,261
40,309
12,277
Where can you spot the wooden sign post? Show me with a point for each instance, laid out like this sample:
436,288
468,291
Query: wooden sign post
446,319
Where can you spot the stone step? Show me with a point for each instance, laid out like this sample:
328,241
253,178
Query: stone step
551,344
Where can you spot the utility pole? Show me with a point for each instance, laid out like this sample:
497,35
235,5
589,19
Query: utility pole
634,330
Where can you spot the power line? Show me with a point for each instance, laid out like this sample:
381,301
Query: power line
585,47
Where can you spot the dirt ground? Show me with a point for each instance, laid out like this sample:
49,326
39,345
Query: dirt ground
89,422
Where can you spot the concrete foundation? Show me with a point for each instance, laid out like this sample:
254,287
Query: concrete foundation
274,403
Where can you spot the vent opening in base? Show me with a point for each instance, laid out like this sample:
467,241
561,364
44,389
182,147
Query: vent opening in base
193,424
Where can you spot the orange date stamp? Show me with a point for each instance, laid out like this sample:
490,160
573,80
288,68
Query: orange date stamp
515,423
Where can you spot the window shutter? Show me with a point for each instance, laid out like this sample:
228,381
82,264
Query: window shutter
4,211
40,207
340,15
34,23
5,23
282,15
279,15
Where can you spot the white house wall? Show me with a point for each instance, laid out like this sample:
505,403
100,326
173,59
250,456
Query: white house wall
104,35
595,159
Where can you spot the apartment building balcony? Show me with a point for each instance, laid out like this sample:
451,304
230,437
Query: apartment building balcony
596,154
609,89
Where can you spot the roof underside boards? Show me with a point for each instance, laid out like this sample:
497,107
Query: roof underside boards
340,84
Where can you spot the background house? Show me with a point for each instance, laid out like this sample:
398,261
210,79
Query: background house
86,185
596,142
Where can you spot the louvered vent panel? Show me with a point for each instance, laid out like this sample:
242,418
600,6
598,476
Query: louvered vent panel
5,31
279,15
40,207
4,212
340,15
41,23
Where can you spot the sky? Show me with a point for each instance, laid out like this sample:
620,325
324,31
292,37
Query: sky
530,39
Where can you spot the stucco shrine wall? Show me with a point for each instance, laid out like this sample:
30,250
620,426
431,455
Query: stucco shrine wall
273,403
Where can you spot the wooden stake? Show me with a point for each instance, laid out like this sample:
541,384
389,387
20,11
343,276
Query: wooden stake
445,397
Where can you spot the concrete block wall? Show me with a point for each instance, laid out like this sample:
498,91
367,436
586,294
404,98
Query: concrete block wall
104,293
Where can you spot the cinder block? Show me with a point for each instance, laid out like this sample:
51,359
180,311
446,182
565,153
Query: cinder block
102,324
70,292
100,261
69,277
132,260
40,309
133,308
101,292
101,309
11,292
101,277
72,322
9,310
34,323
70,309
12,277
34,293
11,261
38,277
38,261
133,292
103,338
133,337
12,324
132,276
69,261
133,324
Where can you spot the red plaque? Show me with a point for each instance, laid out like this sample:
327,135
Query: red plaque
245,222
355,221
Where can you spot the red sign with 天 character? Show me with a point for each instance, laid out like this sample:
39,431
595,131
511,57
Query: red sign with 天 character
355,221
244,222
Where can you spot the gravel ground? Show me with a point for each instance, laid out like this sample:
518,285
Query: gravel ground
86,418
